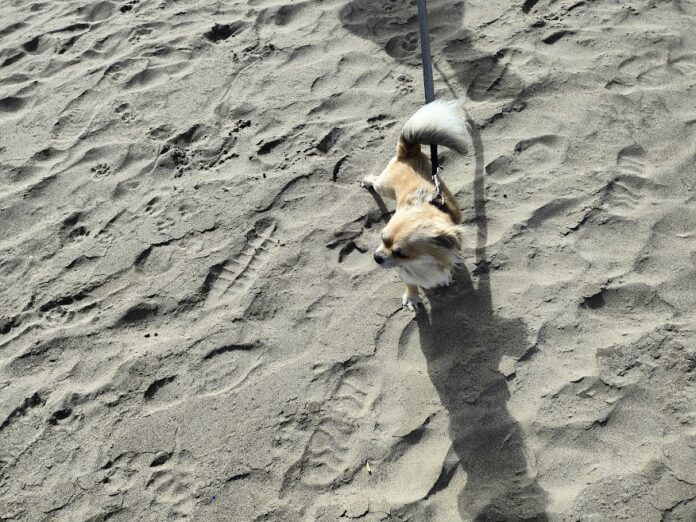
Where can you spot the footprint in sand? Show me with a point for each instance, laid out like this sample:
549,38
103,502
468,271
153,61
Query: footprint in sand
165,225
128,6
154,207
140,33
64,310
323,459
630,160
219,370
70,125
661,73
184,211
76,117
68,43
72,229
106,237
154,75
119,71
96,11
226,368
488,77
388,5
630,190
404,84
56,317
489,82
351,398
100,171
235,277
538,154
685,64
622,197
657,75
328,457
172,488
125,112
400,47
62,315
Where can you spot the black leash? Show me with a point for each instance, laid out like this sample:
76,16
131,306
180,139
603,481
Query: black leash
429,86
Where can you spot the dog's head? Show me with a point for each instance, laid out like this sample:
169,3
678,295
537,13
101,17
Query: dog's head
423,243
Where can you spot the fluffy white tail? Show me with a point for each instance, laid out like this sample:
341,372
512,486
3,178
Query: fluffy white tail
437,123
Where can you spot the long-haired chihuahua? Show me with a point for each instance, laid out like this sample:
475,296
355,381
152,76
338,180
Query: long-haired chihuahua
423,238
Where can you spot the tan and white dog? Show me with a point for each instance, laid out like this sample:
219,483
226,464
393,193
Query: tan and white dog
423,238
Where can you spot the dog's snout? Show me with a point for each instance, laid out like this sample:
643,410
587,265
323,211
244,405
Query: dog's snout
378,258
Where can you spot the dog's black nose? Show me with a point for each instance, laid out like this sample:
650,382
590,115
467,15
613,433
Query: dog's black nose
378,258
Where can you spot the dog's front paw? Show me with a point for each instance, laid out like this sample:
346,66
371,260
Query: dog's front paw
411,301
368,182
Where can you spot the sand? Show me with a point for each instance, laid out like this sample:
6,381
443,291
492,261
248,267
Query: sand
191,324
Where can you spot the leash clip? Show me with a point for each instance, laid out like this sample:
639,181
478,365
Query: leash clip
438,190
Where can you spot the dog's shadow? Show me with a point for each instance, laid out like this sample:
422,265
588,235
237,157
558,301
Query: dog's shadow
393,25
464,342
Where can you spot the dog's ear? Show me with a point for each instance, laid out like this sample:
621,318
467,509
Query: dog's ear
450,238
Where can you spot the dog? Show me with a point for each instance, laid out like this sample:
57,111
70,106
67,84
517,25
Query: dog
424,236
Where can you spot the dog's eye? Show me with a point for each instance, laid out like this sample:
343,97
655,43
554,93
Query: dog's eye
398,253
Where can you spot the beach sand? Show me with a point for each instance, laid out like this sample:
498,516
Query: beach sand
191,322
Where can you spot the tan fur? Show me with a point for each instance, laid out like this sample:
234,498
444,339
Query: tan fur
418,228
408,171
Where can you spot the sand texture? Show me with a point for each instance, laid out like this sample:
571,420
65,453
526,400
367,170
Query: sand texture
191,322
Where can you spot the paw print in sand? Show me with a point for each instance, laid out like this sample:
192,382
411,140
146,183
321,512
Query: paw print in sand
402,46
165,225
154,206
100,171
128,6
138,34
125,112
388,5
404,84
